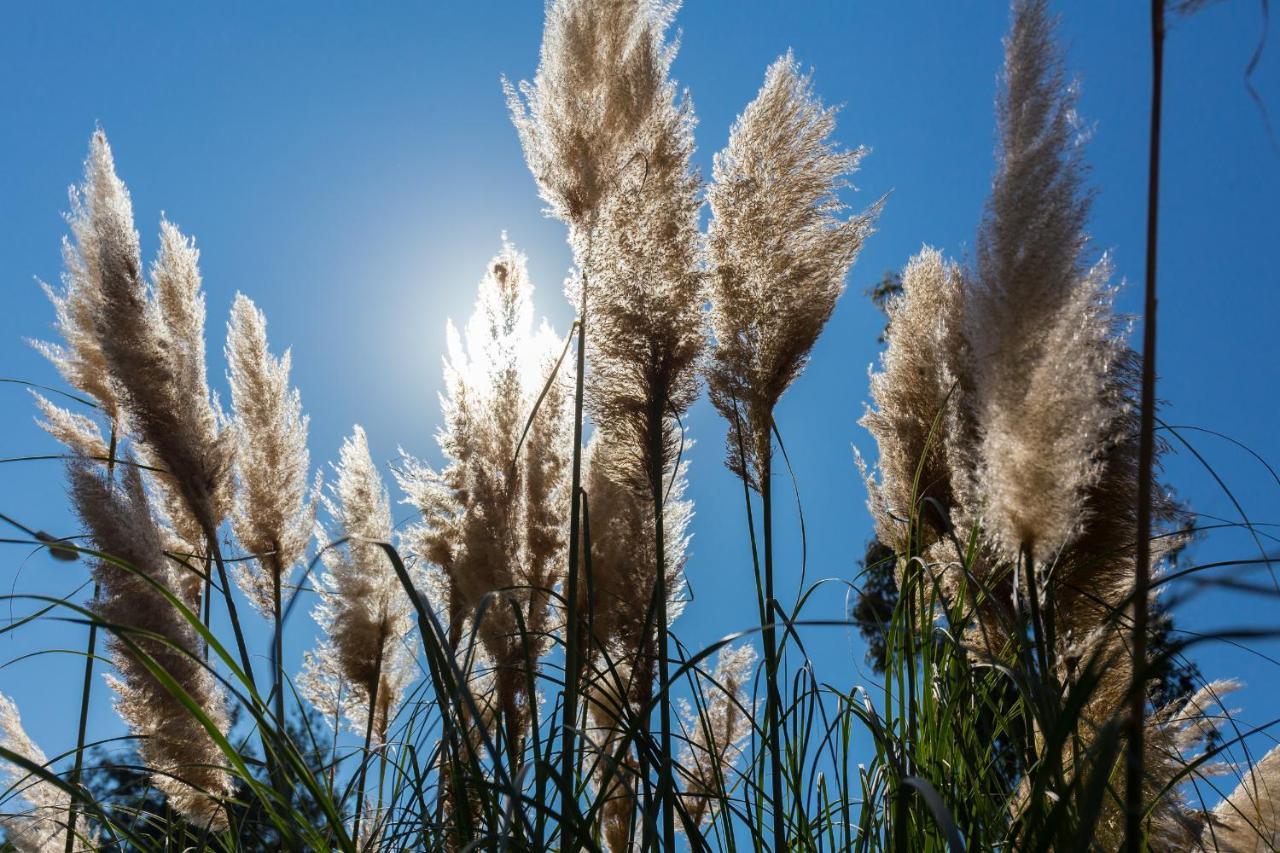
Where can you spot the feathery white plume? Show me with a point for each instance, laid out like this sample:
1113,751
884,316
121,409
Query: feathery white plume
273,515
717,731
42,827
364,610
779,252
493,521
188,766
601,69
1039,320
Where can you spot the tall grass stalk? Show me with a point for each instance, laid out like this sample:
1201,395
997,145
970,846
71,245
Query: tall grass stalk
1146,452
573,629
1019,660
86,689
368,744
233,615
773,700
666,776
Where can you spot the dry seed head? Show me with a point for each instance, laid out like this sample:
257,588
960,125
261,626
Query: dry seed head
1039,321
779,250
189,768
1248,820
602,67
101,221
645,297
323,684
493,522
623,562
717,733
42,827
274,513
152,340
364,610
918,397
80,434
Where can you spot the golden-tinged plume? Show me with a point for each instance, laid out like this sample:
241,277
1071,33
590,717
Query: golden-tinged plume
101,215
274,514
1175,741
323,684
364,610
601,69
919,414
101,221
545,461
42,827
151,344
494,516
1039,319
1248,821
188,766
623,563
1020,371
646,295
717,731
80,434
779,252
616,772
155,345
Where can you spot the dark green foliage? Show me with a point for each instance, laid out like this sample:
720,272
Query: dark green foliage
877,596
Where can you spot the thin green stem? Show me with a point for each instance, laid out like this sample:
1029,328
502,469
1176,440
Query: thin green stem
1039,634
277,654
666,778
568,793
773,700
368,742
1146,457
86,689
212,537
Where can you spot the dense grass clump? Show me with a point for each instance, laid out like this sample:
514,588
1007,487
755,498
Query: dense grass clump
506,670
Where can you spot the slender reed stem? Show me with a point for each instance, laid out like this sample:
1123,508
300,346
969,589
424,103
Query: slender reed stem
86,689
243,649
568,793
78,768
1037,615
666,778
1146,456
773,700
368,742
207,607
337,726
277,662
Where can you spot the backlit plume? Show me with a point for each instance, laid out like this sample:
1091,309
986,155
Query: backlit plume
918,397
623,562
138,350
779,252
599,73
717,731
364,610
274,514
188,766
493,520
1248,821
101,213
1039,319
42,827
1006,399
646,295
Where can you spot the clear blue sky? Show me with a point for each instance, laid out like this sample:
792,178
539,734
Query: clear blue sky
351,167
